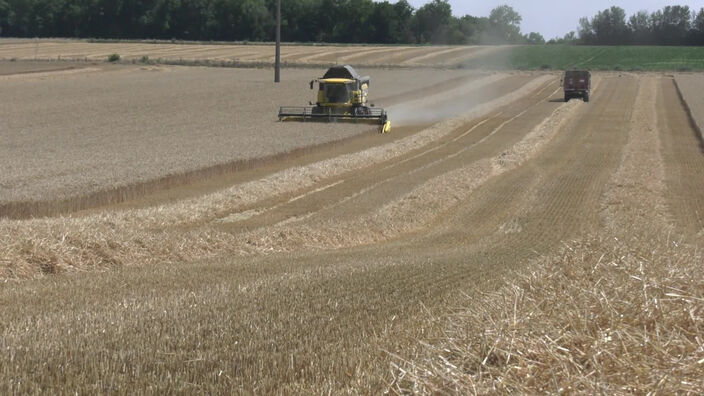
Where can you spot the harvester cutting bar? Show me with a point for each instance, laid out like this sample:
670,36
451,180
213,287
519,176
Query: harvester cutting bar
329,114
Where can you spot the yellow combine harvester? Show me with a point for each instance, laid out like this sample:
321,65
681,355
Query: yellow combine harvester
342,96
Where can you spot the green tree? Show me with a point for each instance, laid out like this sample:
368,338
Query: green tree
468,29
671,25
504,26
4,15
374,21
403,27
697,33
610,27
390,23
535,38
570,38
432,21
585,31
641,28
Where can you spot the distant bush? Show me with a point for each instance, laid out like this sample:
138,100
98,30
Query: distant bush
113,57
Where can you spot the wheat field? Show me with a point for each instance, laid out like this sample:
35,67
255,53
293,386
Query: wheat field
499,240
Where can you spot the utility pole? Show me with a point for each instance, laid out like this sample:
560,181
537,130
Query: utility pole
277,61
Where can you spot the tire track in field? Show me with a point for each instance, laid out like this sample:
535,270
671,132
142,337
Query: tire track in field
473,231
684,161
634,206
557,194
293,207
483,140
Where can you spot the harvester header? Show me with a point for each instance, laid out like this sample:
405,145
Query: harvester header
342,96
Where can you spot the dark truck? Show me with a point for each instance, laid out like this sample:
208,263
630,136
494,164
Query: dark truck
577,84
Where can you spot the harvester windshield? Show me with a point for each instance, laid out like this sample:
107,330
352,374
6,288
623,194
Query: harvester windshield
337,93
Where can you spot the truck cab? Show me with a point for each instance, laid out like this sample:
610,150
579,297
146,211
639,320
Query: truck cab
577,84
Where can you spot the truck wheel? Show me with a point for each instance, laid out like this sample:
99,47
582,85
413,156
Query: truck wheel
586,97
567,98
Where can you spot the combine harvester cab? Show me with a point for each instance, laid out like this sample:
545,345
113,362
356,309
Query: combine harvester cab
577,84
342,96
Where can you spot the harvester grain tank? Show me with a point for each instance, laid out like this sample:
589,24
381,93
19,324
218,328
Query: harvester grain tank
342,96
577,84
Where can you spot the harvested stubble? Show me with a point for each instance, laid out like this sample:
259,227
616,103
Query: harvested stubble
415,210
601,317
157,234
318,322
614,313
125,126
109,129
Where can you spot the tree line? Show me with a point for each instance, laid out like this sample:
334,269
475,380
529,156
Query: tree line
673,25
332,21
338,21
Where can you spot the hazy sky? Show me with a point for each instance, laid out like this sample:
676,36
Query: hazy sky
553,18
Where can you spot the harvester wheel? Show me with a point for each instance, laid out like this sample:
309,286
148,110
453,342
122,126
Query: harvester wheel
586,97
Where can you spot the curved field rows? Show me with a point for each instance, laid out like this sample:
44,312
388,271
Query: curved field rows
291,54
177,125
544,323
313,279
208,208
